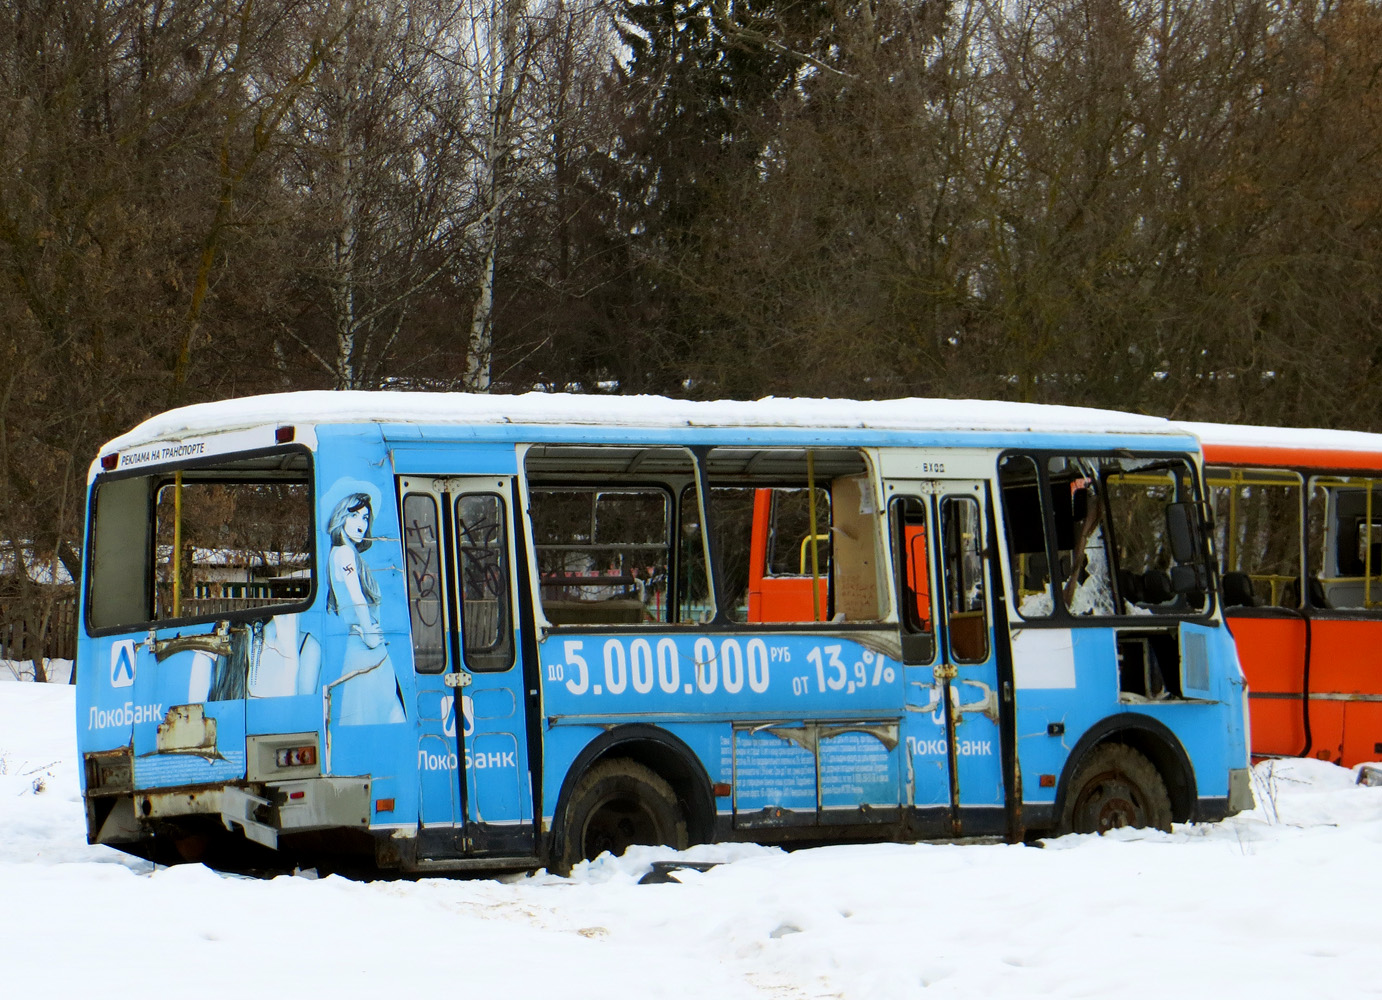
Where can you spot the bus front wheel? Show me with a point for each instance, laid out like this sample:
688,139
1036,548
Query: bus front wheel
616,804
1113,787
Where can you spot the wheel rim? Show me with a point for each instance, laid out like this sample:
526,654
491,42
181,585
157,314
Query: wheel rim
1109,801
616,825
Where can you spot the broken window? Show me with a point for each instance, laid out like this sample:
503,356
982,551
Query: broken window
1081,510
1144,501
603,554
773,566
613,545
796,534
1257,534
731,510
206,542
1020,487
1091,536
798,540
1345,542
962,548
624,534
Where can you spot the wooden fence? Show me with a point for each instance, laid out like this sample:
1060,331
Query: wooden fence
21,638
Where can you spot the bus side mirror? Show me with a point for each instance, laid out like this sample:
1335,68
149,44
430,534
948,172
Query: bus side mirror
1183,531
1189,579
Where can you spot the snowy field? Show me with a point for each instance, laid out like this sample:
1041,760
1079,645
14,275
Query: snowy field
1283,902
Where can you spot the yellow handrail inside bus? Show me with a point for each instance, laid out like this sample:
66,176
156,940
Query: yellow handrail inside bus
1367,547
804,556
177,545
815,554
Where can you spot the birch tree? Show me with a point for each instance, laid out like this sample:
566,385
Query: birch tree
503,43
380,165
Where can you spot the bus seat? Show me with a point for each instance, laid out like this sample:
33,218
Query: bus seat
1317,595
1238,591
1290,594
1038,573
1130,585
1156,587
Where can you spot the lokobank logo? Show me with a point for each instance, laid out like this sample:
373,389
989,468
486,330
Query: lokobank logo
448,714
122,663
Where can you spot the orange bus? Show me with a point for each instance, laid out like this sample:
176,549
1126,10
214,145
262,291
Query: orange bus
1298,523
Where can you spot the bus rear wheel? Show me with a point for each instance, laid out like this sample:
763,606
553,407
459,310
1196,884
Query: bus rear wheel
615,805
1113,787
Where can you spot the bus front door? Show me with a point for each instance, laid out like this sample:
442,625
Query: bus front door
473,756
949,651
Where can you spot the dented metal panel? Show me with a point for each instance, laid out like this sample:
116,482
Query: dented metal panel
186,729
109,771
261,812
789,773
215,642
241,811
321,803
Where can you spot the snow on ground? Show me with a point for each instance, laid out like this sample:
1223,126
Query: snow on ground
1283,902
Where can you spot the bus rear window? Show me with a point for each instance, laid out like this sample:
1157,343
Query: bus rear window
208,542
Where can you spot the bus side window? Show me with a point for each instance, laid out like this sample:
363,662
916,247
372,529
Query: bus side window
1257,535
797,535
603,553
1029,566
482,544
966,605
914,578
1345,542
791,576
422,549
918,582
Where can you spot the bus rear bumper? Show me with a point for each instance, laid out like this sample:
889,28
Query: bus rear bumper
260,812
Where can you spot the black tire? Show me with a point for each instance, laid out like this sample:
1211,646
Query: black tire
1113,787
616,804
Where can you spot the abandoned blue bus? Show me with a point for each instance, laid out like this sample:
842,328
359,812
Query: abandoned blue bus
441,632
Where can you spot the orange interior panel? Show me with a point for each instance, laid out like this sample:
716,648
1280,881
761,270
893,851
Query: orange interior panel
777,598
784,599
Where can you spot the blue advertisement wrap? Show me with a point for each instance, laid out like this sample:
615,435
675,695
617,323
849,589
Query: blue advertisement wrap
685,673
401,657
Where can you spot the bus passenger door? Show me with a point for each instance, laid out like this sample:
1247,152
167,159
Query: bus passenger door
473,743
941,545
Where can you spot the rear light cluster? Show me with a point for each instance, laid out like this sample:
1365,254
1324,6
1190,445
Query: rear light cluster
296,757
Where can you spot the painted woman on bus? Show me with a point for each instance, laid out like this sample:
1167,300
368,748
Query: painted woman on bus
367,690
